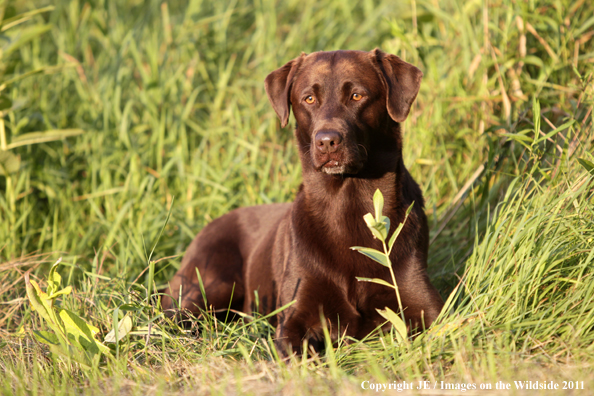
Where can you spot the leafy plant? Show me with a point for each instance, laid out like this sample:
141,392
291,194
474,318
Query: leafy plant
588,165
379,225
71,336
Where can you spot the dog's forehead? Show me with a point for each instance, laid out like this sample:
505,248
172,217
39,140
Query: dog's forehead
337,60
336,65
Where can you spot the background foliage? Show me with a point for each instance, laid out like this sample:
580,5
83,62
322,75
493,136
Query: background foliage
119,115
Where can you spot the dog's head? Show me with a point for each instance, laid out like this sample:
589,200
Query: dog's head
344,102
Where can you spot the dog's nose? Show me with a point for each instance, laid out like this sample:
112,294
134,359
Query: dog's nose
328,141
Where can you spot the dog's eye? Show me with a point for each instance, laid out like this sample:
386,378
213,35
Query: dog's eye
356,96
310,99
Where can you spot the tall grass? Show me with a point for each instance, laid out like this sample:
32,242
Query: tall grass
159,113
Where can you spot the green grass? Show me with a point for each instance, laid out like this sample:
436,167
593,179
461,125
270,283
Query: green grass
157,111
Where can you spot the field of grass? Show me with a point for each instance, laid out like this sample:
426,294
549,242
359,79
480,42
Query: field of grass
126,126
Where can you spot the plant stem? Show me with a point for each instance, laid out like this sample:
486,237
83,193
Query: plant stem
387,253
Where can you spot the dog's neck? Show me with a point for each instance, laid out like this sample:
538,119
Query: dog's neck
353,191
349,197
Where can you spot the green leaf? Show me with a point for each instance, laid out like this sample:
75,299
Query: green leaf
46,337
54,279
386,222
130,307
555,131
124,328
536,118
369,220
521,139
378,204
81,332
449,302
76,325
9,163
396,321
394,236
588,165
377,229
35,297
380,231
373,254
277,311
400,226
24,17
24,35
408,210
375,280
64,292
30,138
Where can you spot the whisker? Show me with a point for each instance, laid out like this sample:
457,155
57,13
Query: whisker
364,148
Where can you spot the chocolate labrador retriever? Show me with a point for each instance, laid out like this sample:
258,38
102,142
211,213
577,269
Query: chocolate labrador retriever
348,106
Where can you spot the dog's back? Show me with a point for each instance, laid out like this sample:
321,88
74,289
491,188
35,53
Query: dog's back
220,253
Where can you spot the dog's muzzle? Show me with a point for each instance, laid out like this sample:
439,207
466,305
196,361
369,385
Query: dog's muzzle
329,151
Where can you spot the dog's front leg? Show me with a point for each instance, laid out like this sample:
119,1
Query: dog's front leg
320,305
289,333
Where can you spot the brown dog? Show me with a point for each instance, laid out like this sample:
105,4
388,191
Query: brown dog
348,106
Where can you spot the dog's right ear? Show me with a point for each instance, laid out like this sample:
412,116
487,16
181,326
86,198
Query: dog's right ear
278,88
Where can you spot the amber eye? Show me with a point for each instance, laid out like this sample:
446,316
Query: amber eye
309,100
356,97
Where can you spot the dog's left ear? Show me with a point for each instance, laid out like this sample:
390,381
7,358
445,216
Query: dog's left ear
401,80
278,88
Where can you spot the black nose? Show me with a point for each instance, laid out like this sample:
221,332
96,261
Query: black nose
328,141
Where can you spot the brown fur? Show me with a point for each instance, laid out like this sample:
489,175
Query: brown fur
300,251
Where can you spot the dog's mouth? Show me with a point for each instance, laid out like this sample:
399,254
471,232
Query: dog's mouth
332,167
347,159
